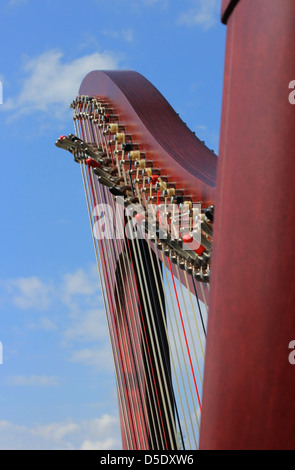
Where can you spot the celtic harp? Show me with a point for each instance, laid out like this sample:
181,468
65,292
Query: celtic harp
144,172
156,213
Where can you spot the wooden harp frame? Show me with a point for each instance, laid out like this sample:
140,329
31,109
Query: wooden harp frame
248,384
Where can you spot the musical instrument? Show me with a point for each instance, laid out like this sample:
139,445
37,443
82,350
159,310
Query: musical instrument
155,215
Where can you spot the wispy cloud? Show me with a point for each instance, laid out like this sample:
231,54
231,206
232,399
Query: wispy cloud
99,359
44,323
87,325
50,82
32,381
125,34
82,327
57,431
29,293
203,13
33,292
101,433
79,283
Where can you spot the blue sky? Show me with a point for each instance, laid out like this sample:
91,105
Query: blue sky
57,385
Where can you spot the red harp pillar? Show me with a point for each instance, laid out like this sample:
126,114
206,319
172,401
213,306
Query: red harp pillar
248,398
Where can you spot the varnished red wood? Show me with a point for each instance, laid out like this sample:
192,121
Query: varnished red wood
161,133
248,398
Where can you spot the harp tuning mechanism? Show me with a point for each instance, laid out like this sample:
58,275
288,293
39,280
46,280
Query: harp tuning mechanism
187,238
206,256
177,199
135,156
125,168
198,275
181,262
166,249
209,213
173,257
111,129
153,179
139,218
159,243
188,267
143,163
201,261
149,172
92,163
119,180
127,147
116,191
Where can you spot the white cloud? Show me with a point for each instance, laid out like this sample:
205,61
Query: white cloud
125,34
82,328
44,323
204,13
100,358
51,83
101,433
79,283
29,292
88,326
32,381
104,434
56,431
32,293
98,445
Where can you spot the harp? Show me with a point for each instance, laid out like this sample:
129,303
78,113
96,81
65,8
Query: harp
152,188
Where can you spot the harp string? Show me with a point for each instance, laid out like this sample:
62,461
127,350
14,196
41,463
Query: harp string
91,132
193,342
152,332
98,255
108,196
170,350
167,337
123,336
83,134
125,394
152,376
127,287
199,307
182,363
132,296
121,358
135,298
184,333
162,359
195,316
180,342
152,328
129,379
144,284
